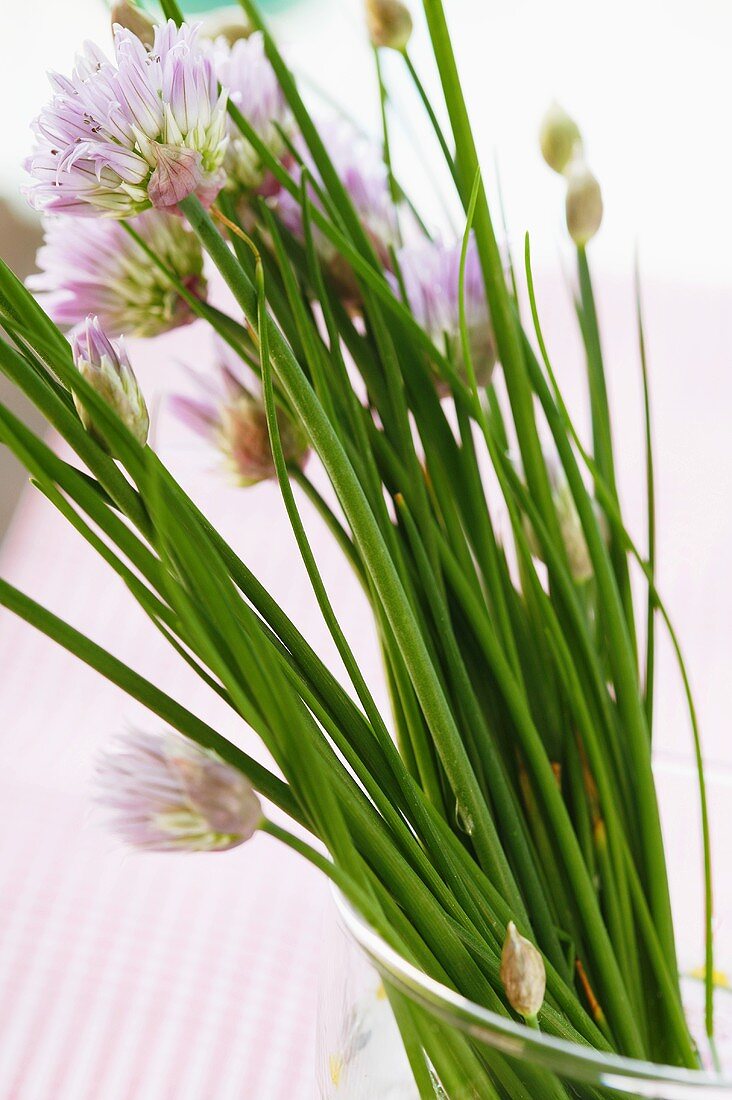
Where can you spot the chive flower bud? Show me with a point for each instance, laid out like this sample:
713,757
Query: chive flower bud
125,14
570,524
570,528
523,973
389,24
228,24
105,366
166,793
583,203
559,138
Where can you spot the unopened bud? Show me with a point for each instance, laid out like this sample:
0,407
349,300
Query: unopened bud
573,536
228,23
389,24
570,525
559,138
523,973
107,369
584,203
128,15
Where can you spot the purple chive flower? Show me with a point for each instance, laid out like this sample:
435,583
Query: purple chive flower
148,129
431,274
363,173
243,68
95,266
167,794
105,366
233,419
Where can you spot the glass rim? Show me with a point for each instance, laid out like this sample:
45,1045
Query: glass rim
572,1060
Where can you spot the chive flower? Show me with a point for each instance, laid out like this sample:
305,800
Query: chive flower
95,266
430,271
166,794
106,367
148,129
244,69
362,171
233,419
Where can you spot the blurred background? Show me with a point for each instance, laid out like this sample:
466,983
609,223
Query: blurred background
650,83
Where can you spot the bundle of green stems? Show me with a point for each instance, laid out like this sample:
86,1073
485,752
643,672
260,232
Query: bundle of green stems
513,779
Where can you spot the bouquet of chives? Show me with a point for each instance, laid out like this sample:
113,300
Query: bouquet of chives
500,830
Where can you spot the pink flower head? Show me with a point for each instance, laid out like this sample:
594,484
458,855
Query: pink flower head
148,129
233,419
431,274
363,173
244,69
95,266
106,367
165,793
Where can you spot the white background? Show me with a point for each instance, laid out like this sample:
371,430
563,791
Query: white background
649,81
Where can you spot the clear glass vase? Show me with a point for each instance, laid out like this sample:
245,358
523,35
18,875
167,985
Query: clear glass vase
366,986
